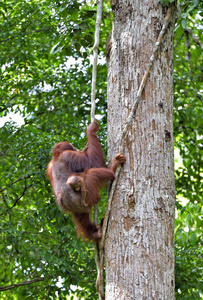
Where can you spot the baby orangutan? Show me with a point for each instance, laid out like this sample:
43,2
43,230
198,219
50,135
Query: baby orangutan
76,177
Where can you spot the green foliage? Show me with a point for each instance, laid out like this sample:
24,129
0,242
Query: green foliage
188,128
189,252
45,76
167,2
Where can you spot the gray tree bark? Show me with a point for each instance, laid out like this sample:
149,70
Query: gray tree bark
139,248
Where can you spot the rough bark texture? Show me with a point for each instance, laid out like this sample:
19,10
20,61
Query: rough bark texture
139,249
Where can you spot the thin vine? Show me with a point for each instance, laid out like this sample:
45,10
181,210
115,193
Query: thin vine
93,106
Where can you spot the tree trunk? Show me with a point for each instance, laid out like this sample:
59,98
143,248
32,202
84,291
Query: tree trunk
139,248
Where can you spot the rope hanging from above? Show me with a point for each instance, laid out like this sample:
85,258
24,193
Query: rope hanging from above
95,57
92,114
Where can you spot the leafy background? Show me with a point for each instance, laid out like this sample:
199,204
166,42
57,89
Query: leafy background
45,74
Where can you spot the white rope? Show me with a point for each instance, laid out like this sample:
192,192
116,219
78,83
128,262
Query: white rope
92,114
95,57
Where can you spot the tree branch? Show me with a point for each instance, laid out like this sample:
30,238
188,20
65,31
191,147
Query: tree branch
23,193
25,282
195,39
16,200
17,180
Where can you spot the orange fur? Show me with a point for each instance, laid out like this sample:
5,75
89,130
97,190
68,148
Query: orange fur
76,177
